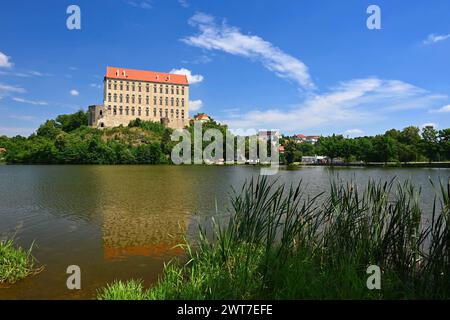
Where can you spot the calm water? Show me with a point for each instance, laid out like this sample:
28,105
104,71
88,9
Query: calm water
122,222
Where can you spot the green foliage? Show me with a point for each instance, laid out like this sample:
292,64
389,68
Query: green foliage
15,262
67,140
407,145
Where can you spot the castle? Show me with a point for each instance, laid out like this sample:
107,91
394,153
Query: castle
153,96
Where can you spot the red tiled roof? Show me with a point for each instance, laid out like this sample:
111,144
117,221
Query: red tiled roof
140,75
202,117
301,136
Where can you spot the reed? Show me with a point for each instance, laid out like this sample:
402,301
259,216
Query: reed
279,243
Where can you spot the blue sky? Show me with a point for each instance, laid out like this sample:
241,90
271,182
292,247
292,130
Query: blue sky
309,67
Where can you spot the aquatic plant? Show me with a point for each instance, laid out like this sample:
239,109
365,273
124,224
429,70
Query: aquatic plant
15,262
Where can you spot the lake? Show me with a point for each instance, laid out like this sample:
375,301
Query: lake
122,222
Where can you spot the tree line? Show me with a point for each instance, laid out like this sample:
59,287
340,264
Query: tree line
408,145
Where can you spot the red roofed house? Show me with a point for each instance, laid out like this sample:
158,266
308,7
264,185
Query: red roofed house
203,117
153,96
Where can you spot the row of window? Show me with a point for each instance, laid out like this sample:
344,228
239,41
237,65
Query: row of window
120,98
131,85
132,111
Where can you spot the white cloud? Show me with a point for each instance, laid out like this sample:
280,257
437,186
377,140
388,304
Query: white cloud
144,4
183,3
13,131
444,109
433,38
22,118
96,85
214,36
354,132
74,92
33,102
5,61
6,90
350,103
195,105
192,78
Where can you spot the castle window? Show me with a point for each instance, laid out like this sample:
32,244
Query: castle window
139,111
178,103
154,112
120,110
109,85
167,101
115,97
160,101
132,111
177,113
127,111
115,111
101,112
121,86
132,87
182,102
109,109
132,98
127,87
120,98
160,112
154,89
147,88
171,113
115,85
178,90
171,90
139,87
127,99
182,114
166,112
171,102
139,100
167,90
147,100
182,90
147,112
154,101
109,97
160,89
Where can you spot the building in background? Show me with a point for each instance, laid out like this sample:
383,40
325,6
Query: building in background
152,96
301,138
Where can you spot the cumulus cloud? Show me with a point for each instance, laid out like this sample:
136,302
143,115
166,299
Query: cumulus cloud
229,39
5,61
433,38
353,102
33,102
195,105
192,78
74,92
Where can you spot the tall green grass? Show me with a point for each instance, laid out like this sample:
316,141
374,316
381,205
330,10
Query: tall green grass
280,243
15,262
